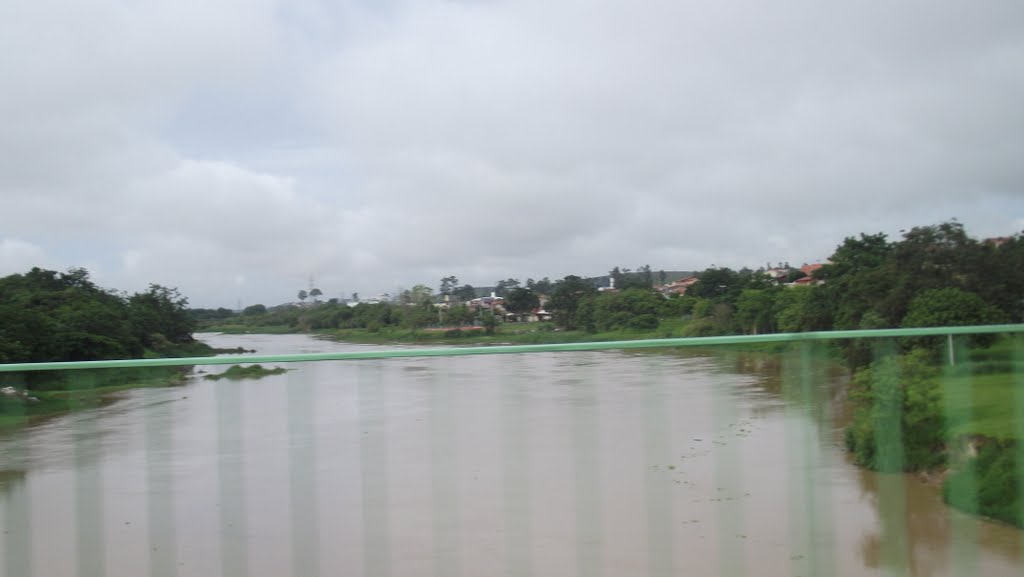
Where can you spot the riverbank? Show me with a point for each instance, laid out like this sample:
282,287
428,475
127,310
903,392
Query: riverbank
90,389
958,423
540,333
29,398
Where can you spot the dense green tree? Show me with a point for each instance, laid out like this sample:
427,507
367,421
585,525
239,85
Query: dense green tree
51,316
929,257
420,315
857,278
315,293
756,310
633,308
541,287
948,307
159,314
303,295
716,283
521,300
417,295
465,293
503,287
459,315
448,286
210,314
801,308
997,473
566,298
254,310
898,424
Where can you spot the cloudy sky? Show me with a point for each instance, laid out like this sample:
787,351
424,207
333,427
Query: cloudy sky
234,148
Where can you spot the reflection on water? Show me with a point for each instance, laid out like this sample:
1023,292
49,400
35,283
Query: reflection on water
544,464
10,478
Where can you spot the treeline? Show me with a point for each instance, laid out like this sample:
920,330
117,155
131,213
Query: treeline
933,276
53,316
372,317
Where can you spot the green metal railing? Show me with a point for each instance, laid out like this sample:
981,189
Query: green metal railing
700,459
693,342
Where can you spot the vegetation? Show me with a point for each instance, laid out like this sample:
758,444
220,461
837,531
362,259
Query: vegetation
238,372
990,484
909,414
52,316
903,420
899,422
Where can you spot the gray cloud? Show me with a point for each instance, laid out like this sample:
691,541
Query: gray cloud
234,149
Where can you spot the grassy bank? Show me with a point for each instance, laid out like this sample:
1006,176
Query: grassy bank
77,390
34,396
961,422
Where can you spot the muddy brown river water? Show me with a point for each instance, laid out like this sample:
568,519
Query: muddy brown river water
547,464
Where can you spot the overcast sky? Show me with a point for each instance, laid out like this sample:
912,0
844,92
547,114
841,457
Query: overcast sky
234,148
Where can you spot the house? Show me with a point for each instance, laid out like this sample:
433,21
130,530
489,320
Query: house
610,288
808,269
808,278
678,286
493,302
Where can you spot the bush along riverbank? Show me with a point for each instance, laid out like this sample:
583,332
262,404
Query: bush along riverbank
959,423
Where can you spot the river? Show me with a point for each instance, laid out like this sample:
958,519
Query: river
547,464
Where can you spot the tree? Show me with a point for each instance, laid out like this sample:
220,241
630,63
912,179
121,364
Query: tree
716,283
417,295
616,276
465,293
951,307
459,315
503,286
795,309
303,295
566,298
948,307
254,310
634,308
419,314
448,285
355,297
314,293
645,276
662,277
755,310
898,422
542,287
521,300
161,311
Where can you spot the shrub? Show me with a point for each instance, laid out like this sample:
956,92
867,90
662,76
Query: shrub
996,481
898,421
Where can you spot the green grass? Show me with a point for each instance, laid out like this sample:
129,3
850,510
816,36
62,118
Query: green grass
992,400
985,389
